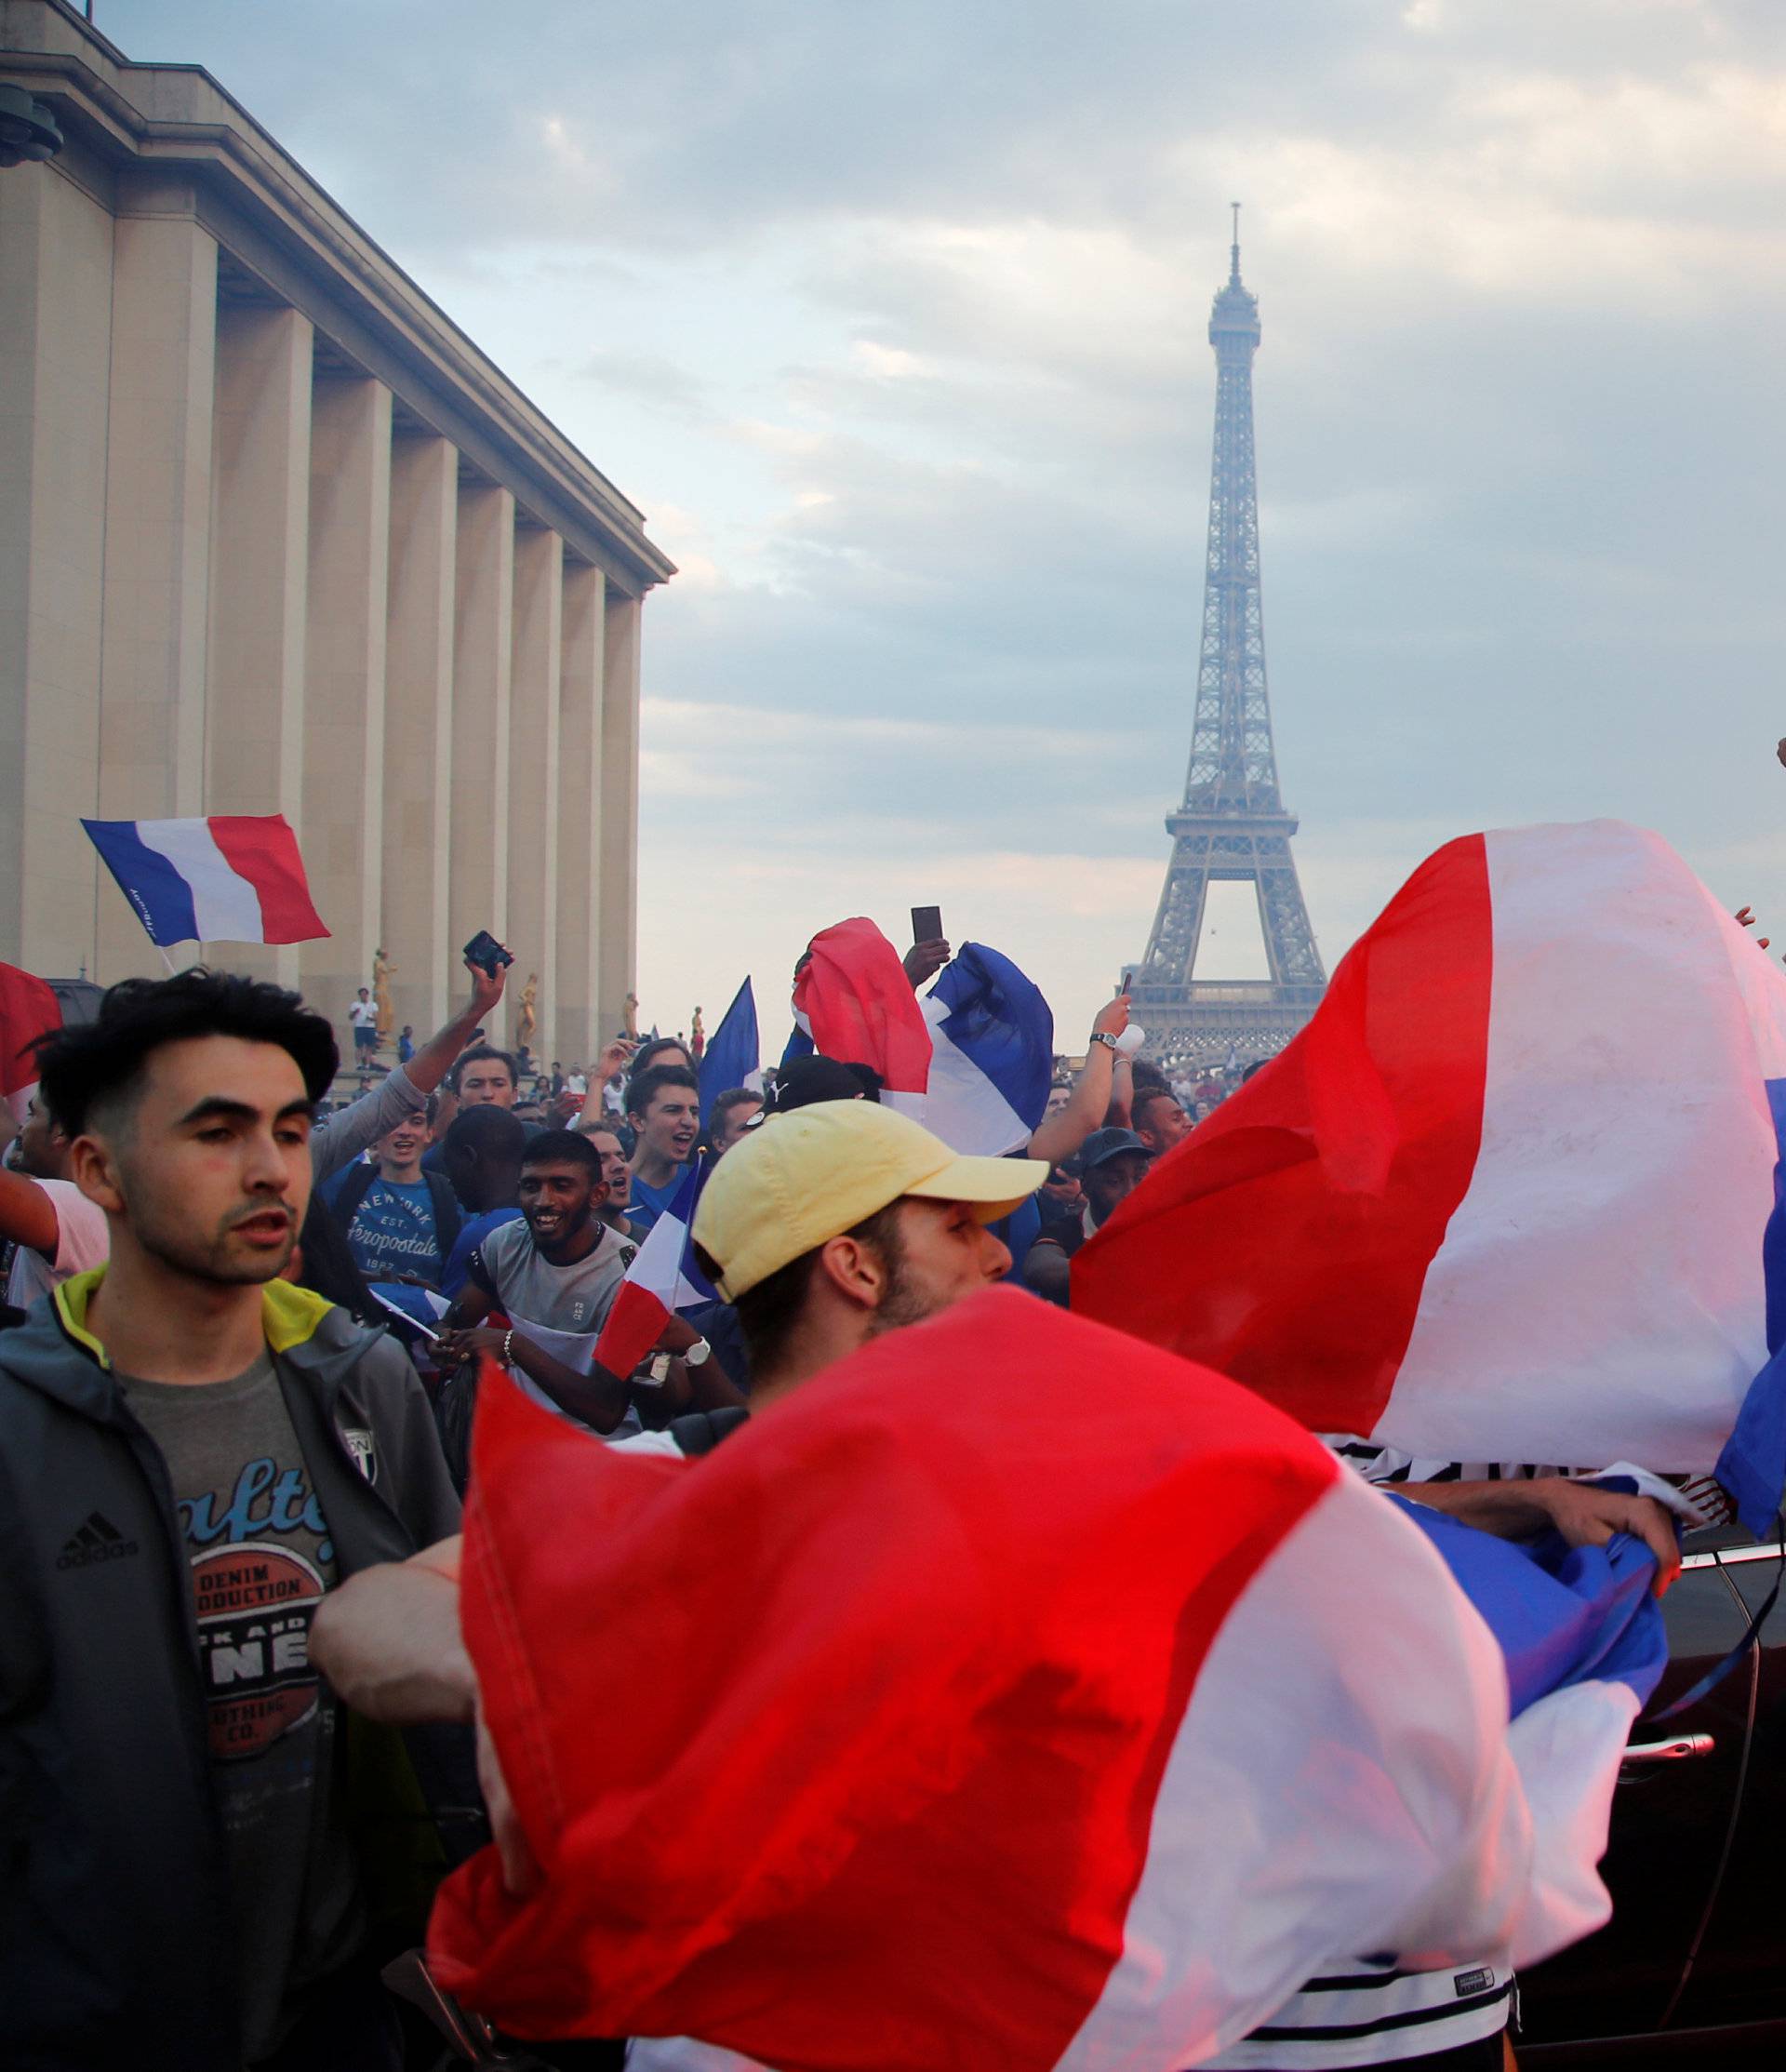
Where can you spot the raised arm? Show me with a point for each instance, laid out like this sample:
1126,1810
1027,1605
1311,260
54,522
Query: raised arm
1061,1134
340,1138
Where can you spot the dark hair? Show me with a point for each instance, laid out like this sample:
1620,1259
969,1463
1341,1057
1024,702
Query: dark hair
767,1313
330,1269
562,1147
643,1088
1143,1072
490,1132
87,1067
734,1097
1144,1098
481,1053
654,1048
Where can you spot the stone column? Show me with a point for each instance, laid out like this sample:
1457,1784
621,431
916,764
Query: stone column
574,1014
344,672
483,657
55,316
533,775
418,730
259,565
157,538
619,895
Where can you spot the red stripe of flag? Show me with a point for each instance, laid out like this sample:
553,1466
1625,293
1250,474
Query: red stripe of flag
861,1712
1285,1242
262,848
28,1009
860,1005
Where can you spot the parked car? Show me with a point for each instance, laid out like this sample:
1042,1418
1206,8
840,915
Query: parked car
1691,1969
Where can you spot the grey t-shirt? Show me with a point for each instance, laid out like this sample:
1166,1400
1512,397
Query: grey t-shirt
528,1288
517,1277
261,1558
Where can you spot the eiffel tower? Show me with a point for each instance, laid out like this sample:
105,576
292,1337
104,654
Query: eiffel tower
1233,823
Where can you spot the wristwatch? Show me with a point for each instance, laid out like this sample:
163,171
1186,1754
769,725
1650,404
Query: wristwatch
1109,1041
697,1355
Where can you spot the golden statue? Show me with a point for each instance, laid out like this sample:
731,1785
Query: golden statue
381,970
630,1006
697,1036
529,993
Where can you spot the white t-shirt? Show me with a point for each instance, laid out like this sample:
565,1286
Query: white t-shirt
363,1014
82,1240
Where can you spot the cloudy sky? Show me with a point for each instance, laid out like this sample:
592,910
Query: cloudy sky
891,318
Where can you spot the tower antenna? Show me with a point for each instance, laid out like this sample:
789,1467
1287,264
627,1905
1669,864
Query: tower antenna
1234,250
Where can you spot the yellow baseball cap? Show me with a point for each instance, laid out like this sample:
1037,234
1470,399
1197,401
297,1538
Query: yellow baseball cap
800,1178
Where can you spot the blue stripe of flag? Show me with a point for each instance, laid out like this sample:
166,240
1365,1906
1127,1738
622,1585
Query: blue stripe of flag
1753,1466
999,1021
1562,1614
160,896
732,1052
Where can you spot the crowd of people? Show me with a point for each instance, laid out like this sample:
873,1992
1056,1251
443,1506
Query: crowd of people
248,1325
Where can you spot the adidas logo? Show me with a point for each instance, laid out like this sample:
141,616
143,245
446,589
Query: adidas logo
98,1540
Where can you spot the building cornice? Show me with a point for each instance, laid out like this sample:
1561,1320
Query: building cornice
168,128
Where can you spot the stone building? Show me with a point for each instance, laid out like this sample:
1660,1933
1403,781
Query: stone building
276,537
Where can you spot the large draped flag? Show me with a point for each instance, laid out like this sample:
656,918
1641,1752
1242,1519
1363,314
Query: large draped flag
28,1009
733,1056
896,1732
1511,1195
993,1054
662,1278
230,878
854,1001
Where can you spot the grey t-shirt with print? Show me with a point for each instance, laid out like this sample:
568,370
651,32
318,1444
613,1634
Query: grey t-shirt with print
261,1558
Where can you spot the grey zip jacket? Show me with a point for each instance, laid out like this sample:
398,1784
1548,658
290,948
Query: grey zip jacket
116,1947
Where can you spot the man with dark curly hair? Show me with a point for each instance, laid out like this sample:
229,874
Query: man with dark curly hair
193,1453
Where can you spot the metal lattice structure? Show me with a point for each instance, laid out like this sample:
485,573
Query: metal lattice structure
1233,823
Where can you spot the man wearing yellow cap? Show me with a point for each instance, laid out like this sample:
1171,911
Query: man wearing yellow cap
825,1227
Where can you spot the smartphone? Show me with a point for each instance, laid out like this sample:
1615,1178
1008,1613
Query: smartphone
927,924
486,952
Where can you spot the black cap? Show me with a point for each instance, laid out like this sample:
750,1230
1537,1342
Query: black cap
1108,1143
801,1081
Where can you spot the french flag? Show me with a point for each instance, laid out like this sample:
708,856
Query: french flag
662,1278
229,877
992,1062
854,1002
1513,1194
28,1009
733,1056
982,1757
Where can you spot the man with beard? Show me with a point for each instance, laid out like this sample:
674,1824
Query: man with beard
826,1227
192,1453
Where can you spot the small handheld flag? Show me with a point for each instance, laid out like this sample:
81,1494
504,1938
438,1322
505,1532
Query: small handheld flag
230,878
661,1280
28,1009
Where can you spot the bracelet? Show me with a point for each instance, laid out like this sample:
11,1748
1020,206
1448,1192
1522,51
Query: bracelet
508,1343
